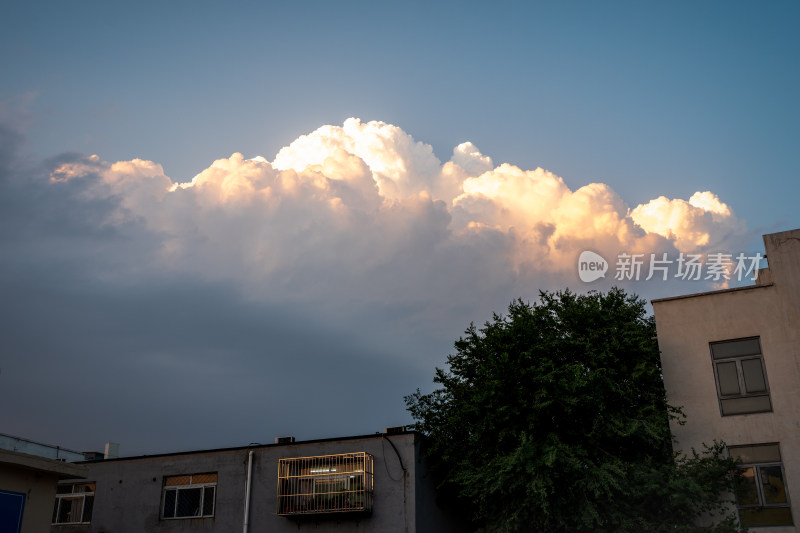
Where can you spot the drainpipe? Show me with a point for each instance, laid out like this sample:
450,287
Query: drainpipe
247,492
405,478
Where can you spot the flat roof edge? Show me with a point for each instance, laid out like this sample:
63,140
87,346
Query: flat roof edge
54,447
251,447
709,293
43,464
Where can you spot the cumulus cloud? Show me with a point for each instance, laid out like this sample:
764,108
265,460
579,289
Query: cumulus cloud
399,165
702,223
351,200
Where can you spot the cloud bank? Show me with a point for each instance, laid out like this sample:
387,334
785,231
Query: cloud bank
255,295
351,200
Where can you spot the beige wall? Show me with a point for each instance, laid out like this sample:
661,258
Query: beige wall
36,477
686,326
40,489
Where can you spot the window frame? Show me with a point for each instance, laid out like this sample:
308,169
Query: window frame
737,360
189,486
60,497
762,499
325,484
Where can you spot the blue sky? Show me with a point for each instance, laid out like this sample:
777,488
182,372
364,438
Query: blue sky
683,94
649,100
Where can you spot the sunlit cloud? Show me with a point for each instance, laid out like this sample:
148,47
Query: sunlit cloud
360,197
701,223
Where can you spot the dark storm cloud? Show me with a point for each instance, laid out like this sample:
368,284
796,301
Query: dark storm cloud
181,364
159,361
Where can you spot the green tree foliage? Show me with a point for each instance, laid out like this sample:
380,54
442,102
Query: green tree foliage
554,418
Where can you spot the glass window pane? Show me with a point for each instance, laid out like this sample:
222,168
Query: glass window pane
735,348
169,503
188,503
748,404
772,484
84,487
88,505
177,480
70,510
197,479
767,453
208,501
728,378
753,374
745,487
64,489
767,516
76,509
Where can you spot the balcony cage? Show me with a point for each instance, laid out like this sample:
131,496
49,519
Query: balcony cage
325,484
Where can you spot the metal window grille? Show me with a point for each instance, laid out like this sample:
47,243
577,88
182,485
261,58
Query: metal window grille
189,496
74,503
341,483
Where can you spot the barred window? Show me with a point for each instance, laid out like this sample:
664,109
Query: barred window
74,503
189,496
339,483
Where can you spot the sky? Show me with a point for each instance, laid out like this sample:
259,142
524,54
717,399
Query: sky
224,223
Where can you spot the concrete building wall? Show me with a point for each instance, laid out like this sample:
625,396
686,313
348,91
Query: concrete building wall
129,491
770,311
430,518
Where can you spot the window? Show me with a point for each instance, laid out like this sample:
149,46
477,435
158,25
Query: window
741,377
760,486
189,496
74,503
325,484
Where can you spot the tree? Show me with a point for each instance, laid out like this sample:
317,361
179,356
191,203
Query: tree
554,418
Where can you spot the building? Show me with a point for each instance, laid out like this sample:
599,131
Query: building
731,360
29,475
362,483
